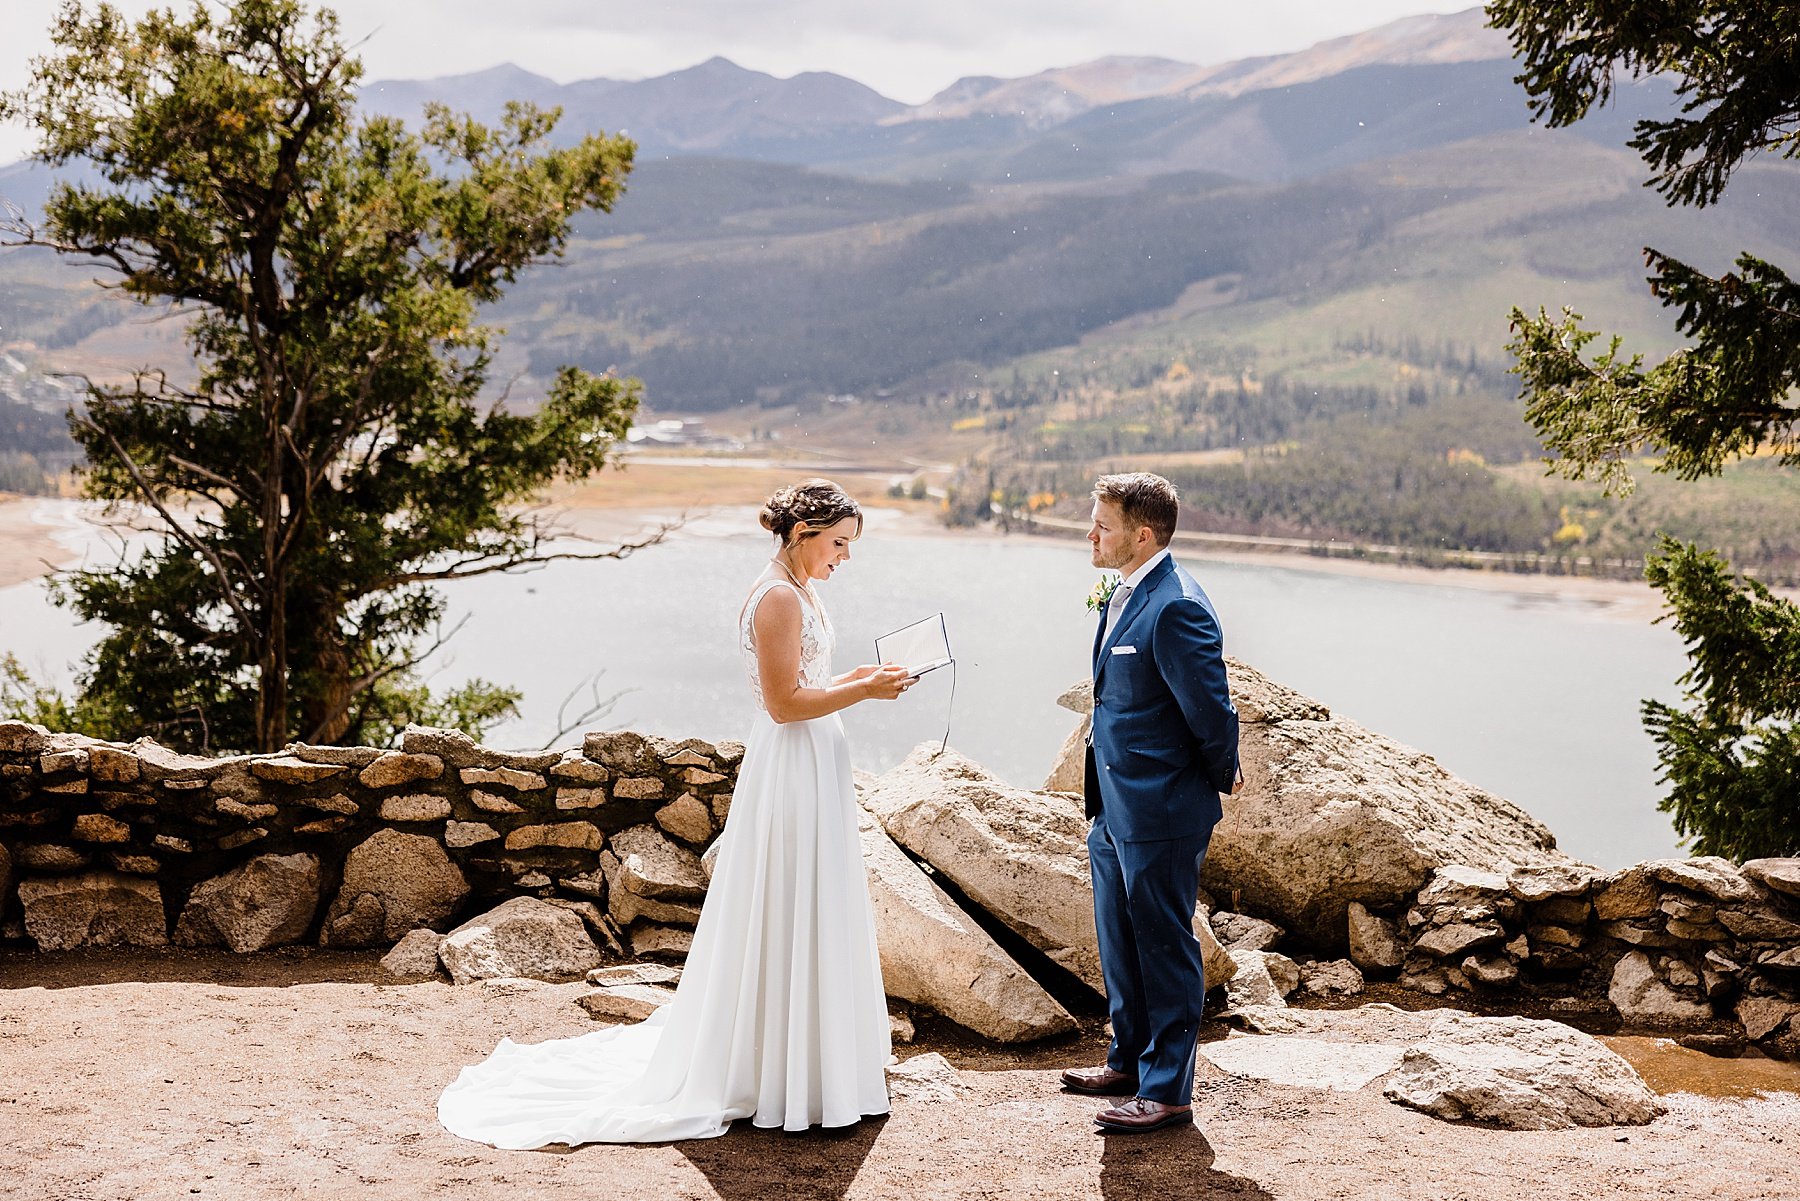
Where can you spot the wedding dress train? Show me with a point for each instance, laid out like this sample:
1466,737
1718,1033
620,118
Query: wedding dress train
780,1015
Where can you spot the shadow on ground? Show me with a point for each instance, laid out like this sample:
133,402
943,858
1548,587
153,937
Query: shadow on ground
754,1165
1174,1163
275,968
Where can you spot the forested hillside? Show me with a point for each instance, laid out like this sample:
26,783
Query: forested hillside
1316,273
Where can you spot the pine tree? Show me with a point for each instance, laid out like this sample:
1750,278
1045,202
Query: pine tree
330,460
1731,757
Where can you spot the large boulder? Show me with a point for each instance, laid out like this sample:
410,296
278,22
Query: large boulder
1333,813
393,883
523,937
94,909
1069,774
263,903
1520,1074
934,955
1019,855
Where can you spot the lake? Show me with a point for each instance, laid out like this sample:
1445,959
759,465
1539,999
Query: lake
1531,696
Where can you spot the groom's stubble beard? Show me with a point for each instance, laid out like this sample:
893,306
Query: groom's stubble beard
1111,560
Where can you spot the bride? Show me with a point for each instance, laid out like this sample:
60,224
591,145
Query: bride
780,1016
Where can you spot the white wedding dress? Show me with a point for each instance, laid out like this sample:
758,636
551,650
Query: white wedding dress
780,1016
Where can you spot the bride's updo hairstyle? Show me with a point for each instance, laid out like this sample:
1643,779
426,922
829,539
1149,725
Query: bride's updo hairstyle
799,511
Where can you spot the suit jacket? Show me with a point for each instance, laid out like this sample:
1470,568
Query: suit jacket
1165,733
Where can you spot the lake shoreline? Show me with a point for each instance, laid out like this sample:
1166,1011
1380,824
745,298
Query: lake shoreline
30,548
1624,600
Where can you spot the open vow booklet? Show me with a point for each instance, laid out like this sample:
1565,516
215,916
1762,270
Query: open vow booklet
922,646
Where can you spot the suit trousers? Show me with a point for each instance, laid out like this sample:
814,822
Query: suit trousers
1144,899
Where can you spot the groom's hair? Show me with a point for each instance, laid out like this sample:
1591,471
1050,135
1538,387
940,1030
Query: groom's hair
1146,499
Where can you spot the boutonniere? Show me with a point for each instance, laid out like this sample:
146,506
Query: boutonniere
1101,596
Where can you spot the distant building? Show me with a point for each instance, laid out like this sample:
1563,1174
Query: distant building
677,431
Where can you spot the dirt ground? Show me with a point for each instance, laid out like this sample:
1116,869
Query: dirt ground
177,1074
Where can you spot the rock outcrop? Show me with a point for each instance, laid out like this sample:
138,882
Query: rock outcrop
1332,813
1019,855
1070,768
934,955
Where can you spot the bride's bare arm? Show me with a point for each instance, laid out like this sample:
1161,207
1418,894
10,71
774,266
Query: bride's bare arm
777,625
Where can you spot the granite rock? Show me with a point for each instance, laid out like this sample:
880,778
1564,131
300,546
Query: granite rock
414,957
263,903
1333,813
523,937
94,909
933,955
1519,1074
393,883
1643,999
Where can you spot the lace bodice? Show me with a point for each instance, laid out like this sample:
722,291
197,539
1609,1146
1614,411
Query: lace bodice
817,641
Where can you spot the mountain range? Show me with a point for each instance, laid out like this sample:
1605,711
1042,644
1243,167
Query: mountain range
818,118
786,239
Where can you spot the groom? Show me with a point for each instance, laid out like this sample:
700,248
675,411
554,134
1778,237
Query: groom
1165,745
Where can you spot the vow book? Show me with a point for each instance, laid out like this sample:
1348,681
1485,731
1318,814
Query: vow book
922,646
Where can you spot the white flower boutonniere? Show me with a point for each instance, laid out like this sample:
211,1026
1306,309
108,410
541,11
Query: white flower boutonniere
1101,596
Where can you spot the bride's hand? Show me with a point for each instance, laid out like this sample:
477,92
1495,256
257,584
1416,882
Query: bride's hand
886,682
861,673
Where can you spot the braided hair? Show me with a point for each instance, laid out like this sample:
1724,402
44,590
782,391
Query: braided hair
799,511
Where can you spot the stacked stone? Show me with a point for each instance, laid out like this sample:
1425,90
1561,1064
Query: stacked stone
1688,943
107,845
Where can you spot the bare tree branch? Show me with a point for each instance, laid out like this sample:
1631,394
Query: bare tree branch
476,565
598,706
199,547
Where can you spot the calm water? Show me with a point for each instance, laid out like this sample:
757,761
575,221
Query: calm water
1535,699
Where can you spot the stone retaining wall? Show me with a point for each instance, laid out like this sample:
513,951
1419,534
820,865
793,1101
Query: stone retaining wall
1697,944
104,844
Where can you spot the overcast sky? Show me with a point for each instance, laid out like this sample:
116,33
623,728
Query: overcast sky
904,50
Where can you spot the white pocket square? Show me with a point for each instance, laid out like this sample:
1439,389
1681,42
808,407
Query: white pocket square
1124,650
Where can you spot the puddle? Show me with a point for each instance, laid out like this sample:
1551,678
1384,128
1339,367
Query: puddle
1669,1067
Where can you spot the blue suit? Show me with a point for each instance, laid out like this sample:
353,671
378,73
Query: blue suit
1165,745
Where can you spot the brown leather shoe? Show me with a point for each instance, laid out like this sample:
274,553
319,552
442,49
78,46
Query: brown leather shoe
1139,1115
1100,1082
